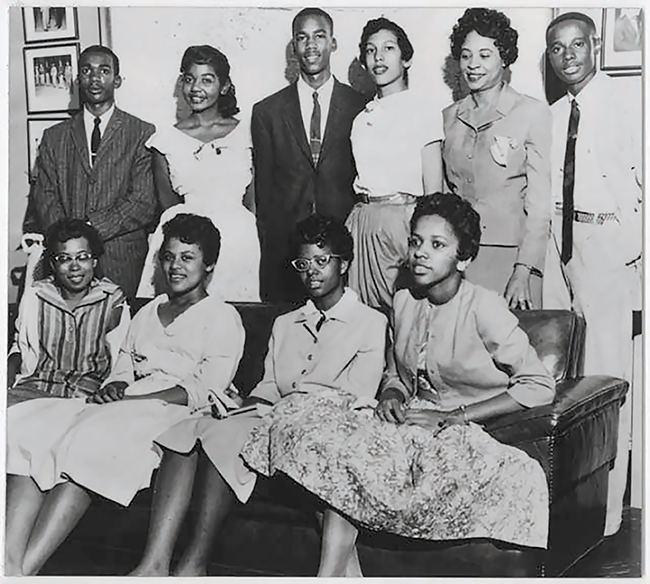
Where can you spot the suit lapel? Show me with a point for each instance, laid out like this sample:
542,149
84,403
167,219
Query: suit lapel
293,117
79,140
109,134
505,103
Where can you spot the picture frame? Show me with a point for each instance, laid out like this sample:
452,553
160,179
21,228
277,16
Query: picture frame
622,40
35,129
50,23
50,78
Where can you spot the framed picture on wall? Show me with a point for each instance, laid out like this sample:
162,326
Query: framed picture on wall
49,23
35,129
622,40
50,74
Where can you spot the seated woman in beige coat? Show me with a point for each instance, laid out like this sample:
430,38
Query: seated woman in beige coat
497,153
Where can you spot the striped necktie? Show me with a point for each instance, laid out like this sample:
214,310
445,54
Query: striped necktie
314,130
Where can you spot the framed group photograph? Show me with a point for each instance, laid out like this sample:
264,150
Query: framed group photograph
35,129
622,40
50,74
49,23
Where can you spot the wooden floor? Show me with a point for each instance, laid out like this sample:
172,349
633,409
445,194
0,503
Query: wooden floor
619,556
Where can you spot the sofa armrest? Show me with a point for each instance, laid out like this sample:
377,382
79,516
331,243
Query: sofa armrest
572,437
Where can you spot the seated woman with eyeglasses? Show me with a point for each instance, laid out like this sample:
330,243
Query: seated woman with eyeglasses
181,353
331,345
70,324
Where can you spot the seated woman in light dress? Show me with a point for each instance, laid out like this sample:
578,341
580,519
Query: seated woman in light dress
181,352
393,166
333,345
203,165
70,324
424,467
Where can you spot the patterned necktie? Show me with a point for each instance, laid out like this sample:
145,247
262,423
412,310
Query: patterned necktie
314,130
95,139
568,183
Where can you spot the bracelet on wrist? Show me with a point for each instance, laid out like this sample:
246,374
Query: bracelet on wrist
532,269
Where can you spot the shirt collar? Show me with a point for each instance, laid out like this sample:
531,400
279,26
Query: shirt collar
103,118
591,92
324,90
50,292
342,311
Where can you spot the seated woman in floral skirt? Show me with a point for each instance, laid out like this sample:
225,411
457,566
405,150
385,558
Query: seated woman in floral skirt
181,352
423,467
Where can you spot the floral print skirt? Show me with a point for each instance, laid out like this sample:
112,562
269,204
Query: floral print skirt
459,484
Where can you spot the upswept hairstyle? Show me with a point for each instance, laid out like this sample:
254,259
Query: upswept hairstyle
66,229
312,11
323,230
573,16
100,50
461,216
374,26
207,55
488,23
190,228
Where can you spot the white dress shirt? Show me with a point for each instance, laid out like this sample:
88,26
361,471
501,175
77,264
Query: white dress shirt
305,95
89,125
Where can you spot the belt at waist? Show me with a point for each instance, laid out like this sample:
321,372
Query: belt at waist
585,217
396,199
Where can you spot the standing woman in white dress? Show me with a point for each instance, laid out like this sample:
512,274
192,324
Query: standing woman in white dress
180,354
203,165
396,142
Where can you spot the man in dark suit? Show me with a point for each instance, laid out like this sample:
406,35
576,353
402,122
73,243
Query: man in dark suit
302,153
95,166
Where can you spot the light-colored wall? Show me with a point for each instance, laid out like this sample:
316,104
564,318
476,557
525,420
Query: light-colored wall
255,41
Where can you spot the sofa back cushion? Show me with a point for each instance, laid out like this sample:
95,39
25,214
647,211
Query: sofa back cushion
558,338
556,335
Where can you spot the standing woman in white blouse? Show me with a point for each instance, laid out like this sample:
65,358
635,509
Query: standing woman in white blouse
393,167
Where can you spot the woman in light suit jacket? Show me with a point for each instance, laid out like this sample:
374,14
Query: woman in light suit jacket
497,155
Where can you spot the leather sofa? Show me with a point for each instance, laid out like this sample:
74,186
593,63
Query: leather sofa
276,533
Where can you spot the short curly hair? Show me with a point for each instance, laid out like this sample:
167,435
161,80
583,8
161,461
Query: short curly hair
322,230
207,55
461,216
67,229
374,26
488,23
194,229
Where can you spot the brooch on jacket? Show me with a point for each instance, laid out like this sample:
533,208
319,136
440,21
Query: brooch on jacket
500,149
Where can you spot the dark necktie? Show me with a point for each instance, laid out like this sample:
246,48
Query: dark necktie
95,139
568,183
314,130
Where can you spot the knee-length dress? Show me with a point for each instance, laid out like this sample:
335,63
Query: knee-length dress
387,141
344,355
109,448
461,483
212,178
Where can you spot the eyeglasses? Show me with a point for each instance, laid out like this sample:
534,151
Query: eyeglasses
303,264
63,259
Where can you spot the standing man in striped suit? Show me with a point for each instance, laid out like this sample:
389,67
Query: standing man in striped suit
95,167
